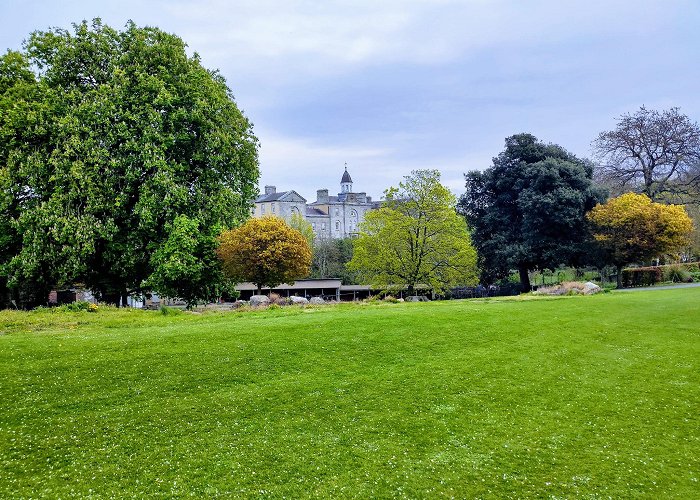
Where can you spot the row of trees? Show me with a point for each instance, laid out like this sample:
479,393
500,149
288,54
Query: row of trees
416,237
538,206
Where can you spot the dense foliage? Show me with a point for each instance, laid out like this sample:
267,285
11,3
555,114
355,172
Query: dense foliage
642,276
106,138
416,237
632,229
527,211
266,252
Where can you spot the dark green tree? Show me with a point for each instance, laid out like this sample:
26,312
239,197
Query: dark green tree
527,211
109,139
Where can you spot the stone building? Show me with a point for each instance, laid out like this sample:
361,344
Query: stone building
330,216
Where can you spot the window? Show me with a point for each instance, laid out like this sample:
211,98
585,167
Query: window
337,226
313,226
262,208
272,207
323,226
337,211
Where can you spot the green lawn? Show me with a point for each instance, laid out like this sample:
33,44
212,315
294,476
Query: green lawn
553,397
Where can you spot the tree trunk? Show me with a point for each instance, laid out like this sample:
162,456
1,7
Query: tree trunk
259,289
619,276
410,290
125,299
524,279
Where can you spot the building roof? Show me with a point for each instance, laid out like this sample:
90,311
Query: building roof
276,196
346,177
297,285
310,211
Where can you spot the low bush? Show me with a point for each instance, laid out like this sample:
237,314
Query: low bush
77,306
277,299
169,311
641,276
677,274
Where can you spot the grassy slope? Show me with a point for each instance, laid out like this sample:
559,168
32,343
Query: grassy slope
552,397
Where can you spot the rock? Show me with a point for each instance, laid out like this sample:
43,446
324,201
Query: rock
239,303
589,288
298,300
259,300
316,300
417,298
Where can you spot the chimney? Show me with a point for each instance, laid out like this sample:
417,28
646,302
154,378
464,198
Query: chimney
362,197
322,196
270,189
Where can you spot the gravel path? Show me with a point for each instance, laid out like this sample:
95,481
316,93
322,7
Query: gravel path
667,287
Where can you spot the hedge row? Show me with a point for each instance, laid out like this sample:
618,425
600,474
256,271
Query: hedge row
642,276
647,276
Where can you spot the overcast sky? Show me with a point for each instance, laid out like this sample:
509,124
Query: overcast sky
391,86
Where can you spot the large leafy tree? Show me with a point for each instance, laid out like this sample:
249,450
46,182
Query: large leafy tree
106,137
631,228
527,211
416,237
265,252
654,152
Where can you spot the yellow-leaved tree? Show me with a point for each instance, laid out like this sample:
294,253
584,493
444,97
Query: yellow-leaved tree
416,237
265,252
631,228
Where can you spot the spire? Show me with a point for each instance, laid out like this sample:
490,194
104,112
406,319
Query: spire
346,176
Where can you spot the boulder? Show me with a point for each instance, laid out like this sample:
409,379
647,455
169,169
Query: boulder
589,288
316,300
298,300
259,300
239,303
417,298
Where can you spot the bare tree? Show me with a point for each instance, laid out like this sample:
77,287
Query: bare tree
656,153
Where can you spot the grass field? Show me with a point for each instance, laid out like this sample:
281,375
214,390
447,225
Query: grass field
553,397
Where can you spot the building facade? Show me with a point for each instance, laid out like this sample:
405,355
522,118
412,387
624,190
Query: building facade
330,216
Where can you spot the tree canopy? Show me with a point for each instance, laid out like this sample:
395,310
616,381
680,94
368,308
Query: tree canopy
416,237
106,138
654,152
265,251
631,228
527,211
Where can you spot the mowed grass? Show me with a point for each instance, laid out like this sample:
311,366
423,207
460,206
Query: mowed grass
565,397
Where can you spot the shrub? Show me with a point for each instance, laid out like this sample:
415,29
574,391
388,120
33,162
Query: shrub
77,306
277,299
169,311
677,274
391,298
641,276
